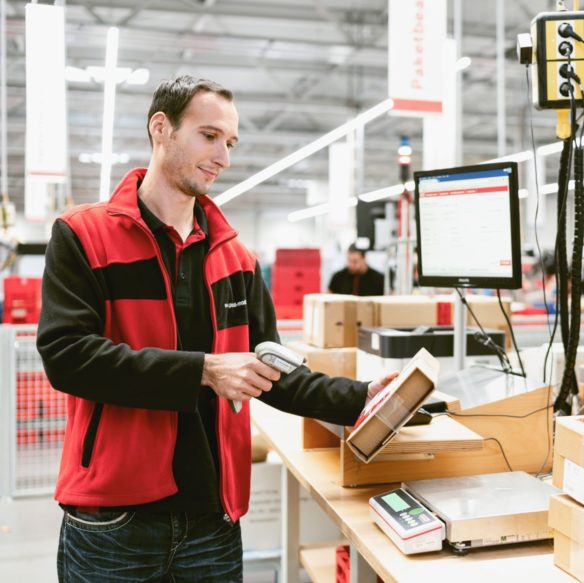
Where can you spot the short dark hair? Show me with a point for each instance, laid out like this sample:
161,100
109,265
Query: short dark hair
172,97
354,249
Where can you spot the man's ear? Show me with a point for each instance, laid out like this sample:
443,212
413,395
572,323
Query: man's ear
158,125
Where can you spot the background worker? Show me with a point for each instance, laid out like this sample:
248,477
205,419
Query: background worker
357,278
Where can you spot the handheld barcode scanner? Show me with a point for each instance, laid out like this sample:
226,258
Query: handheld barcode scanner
276,356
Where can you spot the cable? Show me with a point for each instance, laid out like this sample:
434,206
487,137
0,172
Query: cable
549,407
538,246
511,331
570,323
505,415
549,437
502,451
501,354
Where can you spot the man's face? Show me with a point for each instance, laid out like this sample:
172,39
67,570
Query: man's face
356,262
196,152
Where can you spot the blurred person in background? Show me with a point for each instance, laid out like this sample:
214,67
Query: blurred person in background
357,278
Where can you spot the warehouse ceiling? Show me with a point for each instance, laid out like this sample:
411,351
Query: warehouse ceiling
298,69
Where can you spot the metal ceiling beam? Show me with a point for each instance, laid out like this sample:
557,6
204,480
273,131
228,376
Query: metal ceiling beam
269,10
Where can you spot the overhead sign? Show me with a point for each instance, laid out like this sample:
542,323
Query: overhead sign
417,30
46,123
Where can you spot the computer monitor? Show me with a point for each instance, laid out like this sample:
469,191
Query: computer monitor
467,222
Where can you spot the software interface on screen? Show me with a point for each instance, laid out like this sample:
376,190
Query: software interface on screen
465,224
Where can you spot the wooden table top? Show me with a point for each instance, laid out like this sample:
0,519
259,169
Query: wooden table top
318,472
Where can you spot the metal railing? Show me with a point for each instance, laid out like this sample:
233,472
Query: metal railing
32,417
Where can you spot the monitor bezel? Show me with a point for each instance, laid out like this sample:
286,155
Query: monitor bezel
462,280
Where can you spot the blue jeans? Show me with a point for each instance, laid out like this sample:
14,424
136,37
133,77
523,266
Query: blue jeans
132,547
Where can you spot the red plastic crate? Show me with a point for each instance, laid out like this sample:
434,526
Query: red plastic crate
300,256
288,312
22,300
343,570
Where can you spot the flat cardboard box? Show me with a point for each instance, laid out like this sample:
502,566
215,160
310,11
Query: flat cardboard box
335,362
384,415
569,477
569,442
569,556
404,310
567,516
333,320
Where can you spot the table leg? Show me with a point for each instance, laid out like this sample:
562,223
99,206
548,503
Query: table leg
290,527
361,572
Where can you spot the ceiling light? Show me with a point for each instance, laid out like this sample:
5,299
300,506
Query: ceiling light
462,63
109,101
319,209
77,75
138,77
381,193
304,152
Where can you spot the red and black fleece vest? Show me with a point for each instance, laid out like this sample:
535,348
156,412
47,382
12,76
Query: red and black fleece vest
131,459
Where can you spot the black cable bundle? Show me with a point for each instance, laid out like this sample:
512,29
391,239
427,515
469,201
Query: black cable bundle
561,248
569,382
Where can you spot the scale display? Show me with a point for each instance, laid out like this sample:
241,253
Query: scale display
411,526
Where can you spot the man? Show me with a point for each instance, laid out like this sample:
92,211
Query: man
357,278
151,307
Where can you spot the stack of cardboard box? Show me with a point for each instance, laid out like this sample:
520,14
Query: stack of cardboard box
566,515
332,323
331,330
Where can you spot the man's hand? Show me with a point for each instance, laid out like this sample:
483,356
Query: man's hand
238,376
378,385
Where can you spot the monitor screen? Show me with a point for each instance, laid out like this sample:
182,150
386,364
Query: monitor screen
468,226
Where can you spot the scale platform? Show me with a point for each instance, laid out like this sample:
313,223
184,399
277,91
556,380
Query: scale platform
490,509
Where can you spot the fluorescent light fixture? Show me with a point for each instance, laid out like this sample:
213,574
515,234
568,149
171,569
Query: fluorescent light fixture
77,75
138,77
462,63
304,152
381,193
109,100
97,75
311,211
517,157
96,158
319,209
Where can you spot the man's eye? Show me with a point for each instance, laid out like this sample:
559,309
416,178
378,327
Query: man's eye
209,137
230,146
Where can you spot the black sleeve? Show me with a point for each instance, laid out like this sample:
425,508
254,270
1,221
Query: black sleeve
334,282
333,399
80,361
312,394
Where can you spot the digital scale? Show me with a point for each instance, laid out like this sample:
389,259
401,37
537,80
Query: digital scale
468,512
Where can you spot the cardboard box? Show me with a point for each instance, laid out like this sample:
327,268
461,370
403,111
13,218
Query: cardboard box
569,556
386,413
404,310
569,477
566,517
569,442
335,362
333,320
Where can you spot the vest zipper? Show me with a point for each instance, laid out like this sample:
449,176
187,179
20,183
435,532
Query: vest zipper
90,434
